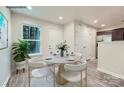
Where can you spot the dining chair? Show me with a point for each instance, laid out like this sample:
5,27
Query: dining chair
76,72
54,70
78,56
37,69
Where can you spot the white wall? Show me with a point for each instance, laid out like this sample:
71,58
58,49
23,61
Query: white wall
51,34
55,35
111,58
92,33
5,58
69,35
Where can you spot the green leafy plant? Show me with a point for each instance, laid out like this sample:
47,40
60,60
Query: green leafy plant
20,50
62,46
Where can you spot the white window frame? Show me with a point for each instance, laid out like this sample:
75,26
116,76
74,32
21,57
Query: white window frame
32,54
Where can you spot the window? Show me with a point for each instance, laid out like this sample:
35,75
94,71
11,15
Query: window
32,35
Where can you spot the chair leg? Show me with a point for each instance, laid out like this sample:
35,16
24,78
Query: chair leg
54,76
81,80
29,76
86,78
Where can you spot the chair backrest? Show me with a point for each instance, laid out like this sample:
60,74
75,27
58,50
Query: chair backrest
82,60
35,59
78,56
76,67
36,62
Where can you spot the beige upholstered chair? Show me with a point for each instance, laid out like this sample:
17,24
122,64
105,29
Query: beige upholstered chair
76,72
78,56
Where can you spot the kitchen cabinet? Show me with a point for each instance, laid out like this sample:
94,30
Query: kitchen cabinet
118,34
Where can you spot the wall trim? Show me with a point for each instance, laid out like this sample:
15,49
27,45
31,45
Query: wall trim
111,73
6,81
92,59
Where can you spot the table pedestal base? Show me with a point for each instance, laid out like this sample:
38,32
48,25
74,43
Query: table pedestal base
59,79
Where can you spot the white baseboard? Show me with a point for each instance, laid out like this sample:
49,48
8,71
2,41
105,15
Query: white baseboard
111,73
92,58
6,81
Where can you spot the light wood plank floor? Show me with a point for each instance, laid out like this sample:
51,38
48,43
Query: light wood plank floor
95,79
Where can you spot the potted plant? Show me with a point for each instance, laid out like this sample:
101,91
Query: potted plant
20,53
62,46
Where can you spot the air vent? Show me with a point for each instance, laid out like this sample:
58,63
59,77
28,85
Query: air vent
19,7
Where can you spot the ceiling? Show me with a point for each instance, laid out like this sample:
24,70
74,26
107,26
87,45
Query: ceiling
108,15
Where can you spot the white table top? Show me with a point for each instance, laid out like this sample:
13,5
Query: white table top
59,60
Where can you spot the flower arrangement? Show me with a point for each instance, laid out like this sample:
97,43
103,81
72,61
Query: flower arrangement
62,47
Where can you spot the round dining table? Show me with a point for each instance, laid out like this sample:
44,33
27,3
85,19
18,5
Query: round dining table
60,62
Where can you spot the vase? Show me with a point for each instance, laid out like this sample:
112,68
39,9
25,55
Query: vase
61,53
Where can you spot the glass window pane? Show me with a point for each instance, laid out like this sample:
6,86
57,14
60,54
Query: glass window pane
37,33
25,32
34,47
32,33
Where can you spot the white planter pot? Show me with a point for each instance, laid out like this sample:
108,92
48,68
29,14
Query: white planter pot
21,65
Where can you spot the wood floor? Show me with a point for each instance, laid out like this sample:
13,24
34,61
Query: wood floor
94,79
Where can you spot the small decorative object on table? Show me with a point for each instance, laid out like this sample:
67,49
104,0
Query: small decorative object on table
67,54
72,54
20,54
62,47
50,50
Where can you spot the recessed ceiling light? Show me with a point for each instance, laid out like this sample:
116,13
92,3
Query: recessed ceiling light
29,7
95,21
102,25
60,18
